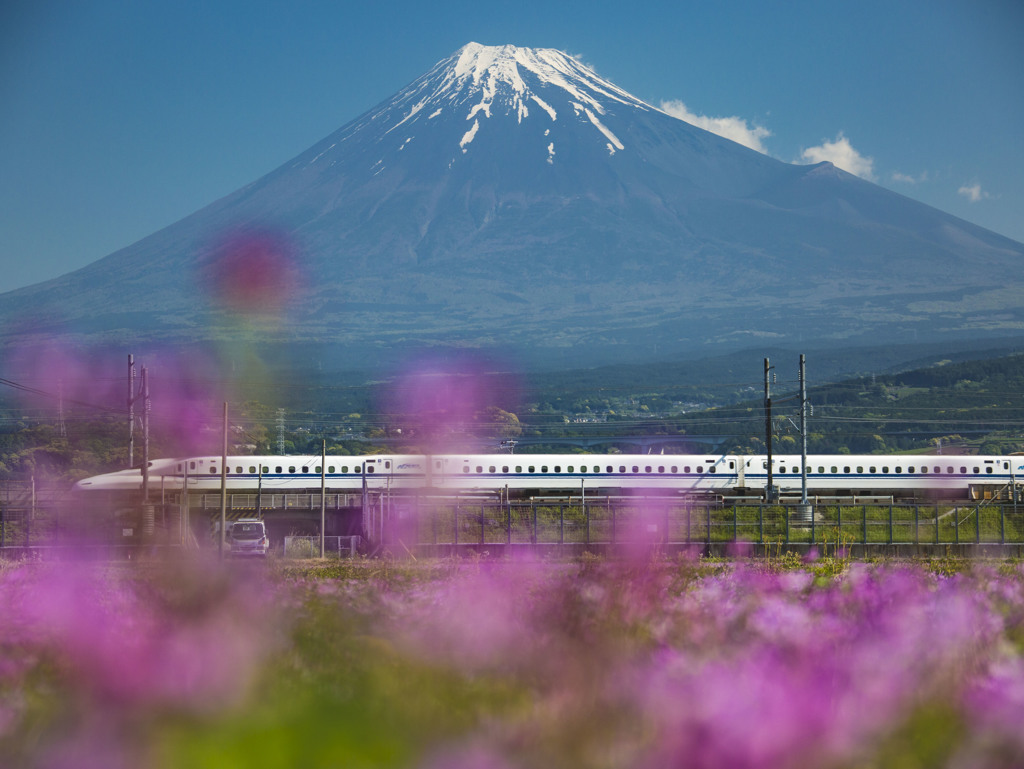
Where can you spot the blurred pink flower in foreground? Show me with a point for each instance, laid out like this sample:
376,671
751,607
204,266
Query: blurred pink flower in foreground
441,399
254,272
125,653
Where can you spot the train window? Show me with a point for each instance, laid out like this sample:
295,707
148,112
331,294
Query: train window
306,469
465,469
686,469
700,469
860,469
647,469
846,469
937,469
910,469
975,470
899,469
318,470
479,468
370,468
543,468
872,469
344,468
252,469
387,464
278,469
558,468
821,470
531,469
519,468
437,464
636,469
834,469
949,470
885,469
330,468
492,469
610,469
963,470
661,468
988,470
794,470
622,468
238,470
191,465
213,471
504,469
674,469
227,470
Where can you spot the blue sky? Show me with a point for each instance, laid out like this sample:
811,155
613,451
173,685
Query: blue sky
119,117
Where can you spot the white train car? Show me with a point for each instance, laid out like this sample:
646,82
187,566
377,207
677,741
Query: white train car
909,476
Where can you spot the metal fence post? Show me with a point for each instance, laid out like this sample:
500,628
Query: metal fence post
709,524
1002,524
689,514
735,525
760,524
864,522
533,507
890,523
456,524
483,517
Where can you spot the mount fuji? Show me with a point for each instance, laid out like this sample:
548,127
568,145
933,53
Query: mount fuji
511,198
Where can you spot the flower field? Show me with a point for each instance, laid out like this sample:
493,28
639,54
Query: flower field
644,662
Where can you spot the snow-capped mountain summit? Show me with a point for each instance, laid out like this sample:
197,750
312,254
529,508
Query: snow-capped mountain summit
484,84
513,197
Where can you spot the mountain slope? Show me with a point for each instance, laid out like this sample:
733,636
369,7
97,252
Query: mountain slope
511,197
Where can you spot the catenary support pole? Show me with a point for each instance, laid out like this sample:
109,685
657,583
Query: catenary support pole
323,495
223,484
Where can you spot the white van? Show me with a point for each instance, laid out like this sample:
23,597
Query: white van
248,536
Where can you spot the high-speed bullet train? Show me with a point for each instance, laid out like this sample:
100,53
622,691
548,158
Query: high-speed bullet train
909,476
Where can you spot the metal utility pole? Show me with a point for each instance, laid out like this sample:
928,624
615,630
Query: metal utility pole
61,427
803,432
145,434
323,494
770,491
131,411
223,485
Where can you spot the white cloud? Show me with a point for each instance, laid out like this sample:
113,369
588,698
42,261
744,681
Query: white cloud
841,153
908,179
735,128
973,192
